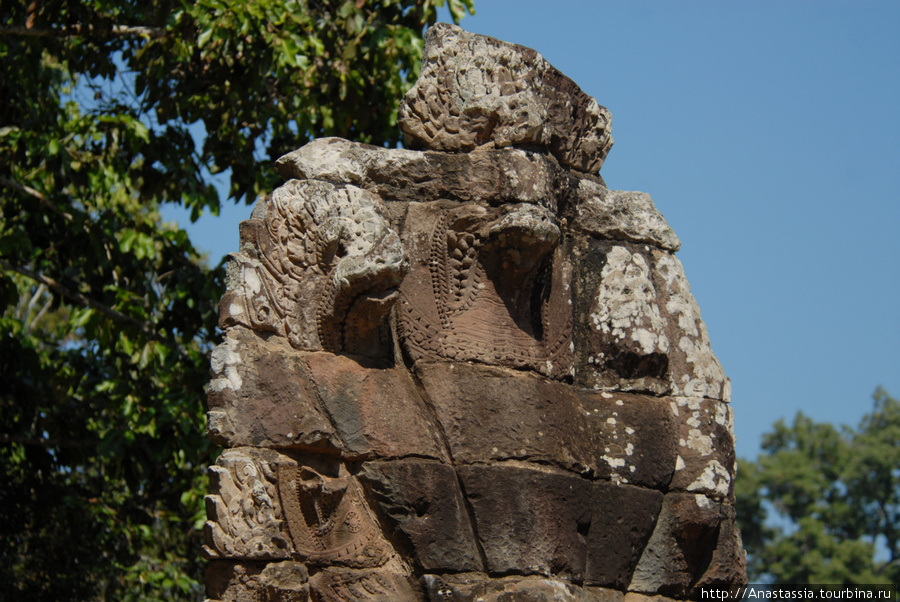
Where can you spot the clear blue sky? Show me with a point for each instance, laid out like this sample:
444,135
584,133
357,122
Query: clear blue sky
768,134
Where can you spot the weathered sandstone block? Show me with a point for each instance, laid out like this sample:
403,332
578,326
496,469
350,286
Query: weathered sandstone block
396,174
423,502
705,447
484,176
493,414
529,520
622,521
728,565
340,585
259,395
377,412
620,215
476,91
676,555
634,437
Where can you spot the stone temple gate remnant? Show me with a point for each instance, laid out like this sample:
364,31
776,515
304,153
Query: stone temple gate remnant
467,370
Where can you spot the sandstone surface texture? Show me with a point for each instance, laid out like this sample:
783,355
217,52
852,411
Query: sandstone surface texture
467,370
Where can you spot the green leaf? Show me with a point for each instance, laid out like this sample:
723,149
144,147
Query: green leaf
203,38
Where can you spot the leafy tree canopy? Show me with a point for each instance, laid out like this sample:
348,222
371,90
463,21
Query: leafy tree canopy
822,503
107,314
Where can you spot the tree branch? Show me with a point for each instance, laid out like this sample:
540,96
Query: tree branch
36,194
77,297
119,31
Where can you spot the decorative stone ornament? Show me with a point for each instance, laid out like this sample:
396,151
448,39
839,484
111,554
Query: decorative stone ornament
467,371
475,91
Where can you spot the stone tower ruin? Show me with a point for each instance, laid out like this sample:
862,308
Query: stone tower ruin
466,369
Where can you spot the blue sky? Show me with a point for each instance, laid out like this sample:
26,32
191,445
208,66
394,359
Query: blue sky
768,135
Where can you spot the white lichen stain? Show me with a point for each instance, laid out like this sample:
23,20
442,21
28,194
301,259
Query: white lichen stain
619,402
251,281
698,387
721,414
714,479
618,479
692,403
625,303
679,463
224,361
709,378
700,442
649,341
702,501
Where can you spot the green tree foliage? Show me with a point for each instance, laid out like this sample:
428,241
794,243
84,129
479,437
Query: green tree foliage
107,314
834,495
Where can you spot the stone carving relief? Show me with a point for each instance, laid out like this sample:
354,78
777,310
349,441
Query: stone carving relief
321,268
328,521
243,508
475,91
491,286
467,369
